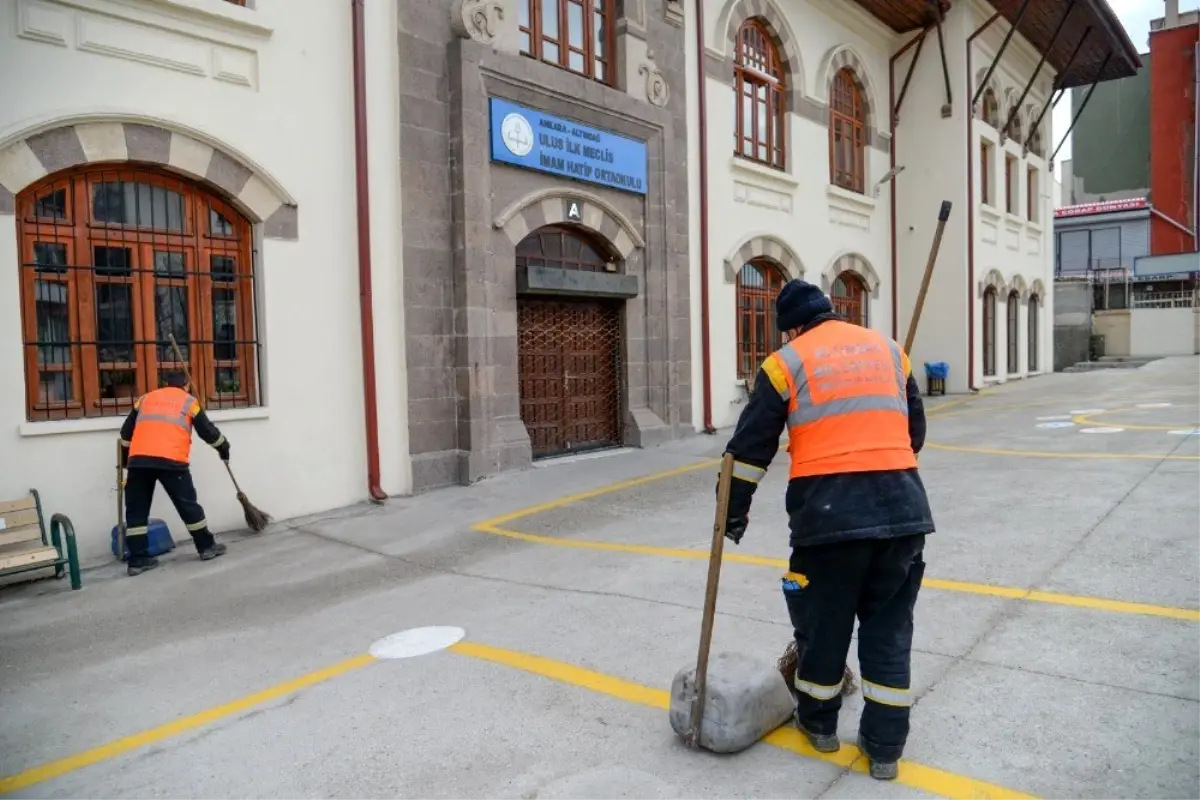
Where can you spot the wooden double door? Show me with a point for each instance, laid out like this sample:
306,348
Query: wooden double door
569,356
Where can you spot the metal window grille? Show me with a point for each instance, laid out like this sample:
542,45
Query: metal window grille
1035,307
1013,310
849,296
113,260
989,332
758,284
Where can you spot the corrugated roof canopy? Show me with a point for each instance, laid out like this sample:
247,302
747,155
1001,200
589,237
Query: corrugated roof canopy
1092,18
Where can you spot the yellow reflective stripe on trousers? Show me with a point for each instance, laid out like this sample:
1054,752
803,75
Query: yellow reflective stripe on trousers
816,691
196,526
748,473
886,695
140,530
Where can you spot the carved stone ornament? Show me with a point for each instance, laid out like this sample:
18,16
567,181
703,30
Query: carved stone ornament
657,90
478,19
673,11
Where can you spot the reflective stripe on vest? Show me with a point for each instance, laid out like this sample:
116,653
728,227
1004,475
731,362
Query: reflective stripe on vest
848,403
164,425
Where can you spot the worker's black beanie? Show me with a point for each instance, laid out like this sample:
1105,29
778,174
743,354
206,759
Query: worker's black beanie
798,304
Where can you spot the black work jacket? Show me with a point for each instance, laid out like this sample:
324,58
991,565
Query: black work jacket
823,509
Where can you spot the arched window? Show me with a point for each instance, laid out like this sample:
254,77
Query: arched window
989,332
760,84
849,296
1014,128
1035,303
1035,143
990,109
847,133
758,285
561,247
577,35
113,262
1013,331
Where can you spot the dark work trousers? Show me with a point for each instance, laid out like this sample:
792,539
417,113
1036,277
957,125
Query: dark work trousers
139,492
876,580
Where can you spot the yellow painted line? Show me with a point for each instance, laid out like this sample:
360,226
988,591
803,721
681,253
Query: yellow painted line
1085,419
942,584
918,776
996,451
603,490
54,769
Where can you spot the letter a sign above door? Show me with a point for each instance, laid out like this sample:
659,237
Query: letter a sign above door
572,209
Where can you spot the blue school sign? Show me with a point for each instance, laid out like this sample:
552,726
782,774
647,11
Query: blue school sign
527,138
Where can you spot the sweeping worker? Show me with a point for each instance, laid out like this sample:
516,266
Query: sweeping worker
857,511
156,443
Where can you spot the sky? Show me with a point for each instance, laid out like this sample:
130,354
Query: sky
1135,15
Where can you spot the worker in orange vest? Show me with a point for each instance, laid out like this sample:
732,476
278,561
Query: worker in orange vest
857,511
156,444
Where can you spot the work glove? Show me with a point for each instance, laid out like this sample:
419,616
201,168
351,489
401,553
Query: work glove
735,528
223,450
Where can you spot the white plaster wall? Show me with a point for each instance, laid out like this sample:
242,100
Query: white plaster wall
305,451
931,149
797,207
1019,249
1163,331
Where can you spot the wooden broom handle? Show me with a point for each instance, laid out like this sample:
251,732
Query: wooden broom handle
179,357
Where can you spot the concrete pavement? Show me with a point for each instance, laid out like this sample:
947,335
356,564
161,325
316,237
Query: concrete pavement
1056,634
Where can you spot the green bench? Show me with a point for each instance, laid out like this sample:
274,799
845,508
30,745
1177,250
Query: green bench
23,543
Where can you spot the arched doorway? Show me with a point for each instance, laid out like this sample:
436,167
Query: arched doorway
1013,332
758,284
989,332
849,296
569,350
1034,307
116,259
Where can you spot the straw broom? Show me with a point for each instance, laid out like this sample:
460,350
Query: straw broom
787,668
256,520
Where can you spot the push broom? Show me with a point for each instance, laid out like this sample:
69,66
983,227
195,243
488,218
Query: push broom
256,519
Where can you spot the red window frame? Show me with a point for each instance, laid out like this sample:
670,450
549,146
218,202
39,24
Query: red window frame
133,253
547,29
761,99
847,133
758,284
848,293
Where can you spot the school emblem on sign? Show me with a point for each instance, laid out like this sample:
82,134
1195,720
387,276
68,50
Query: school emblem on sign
517,134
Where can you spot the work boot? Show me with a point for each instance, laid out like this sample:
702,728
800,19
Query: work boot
821,742
880,770
217,549
140,564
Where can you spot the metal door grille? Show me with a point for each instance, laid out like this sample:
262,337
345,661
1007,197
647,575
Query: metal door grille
569,355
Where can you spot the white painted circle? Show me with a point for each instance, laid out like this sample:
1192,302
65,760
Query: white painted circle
1056,416
1154,405
1186,432
1101,430
1056,424
1089,411
416,642
517,134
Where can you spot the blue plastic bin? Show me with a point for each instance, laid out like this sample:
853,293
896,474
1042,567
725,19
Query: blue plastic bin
160,540
936,373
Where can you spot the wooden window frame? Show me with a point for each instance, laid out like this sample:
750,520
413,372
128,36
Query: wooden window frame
81,235
847,122
985,162
1031,191
599,58
1010,177
856,296
751,353
1013,330
1032,309
759,81
989,332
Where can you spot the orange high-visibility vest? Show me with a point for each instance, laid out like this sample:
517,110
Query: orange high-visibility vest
164,425
847,401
